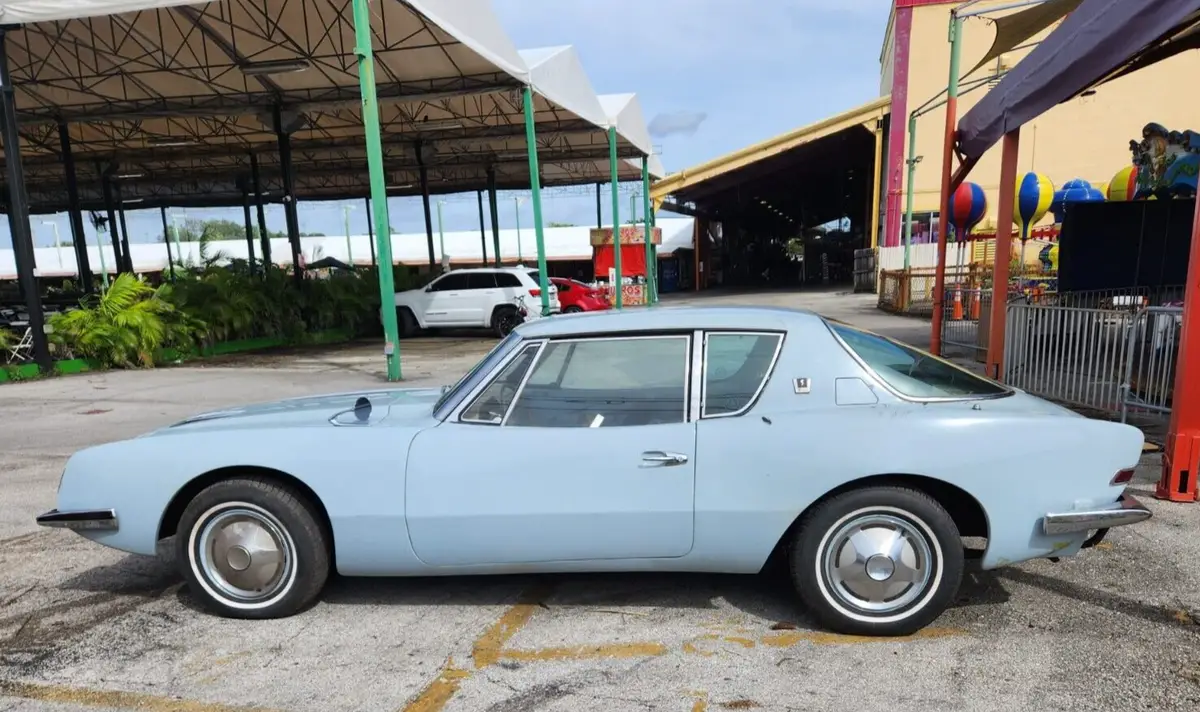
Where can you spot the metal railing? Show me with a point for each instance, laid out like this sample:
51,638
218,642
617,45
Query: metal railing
965,321
1153,348
1076,356
911,291
865,260
1118,360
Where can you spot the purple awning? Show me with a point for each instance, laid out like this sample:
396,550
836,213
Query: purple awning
1093,43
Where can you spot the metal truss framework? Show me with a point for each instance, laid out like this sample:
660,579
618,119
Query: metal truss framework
170,95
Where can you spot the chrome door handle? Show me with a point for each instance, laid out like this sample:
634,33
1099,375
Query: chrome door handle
658,458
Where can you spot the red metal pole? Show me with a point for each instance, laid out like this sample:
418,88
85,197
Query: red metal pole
939,278
1004,213
1181,456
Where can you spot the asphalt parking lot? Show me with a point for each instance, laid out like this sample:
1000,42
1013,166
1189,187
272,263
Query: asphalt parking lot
84,628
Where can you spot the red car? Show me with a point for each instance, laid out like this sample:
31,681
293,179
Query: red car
577,296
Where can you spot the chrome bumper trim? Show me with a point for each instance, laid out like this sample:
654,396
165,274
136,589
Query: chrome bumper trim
1124,511
81,519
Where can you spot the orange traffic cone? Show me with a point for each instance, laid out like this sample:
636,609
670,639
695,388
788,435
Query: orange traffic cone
975,305
958,310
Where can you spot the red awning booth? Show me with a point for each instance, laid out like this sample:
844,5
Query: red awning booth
633,259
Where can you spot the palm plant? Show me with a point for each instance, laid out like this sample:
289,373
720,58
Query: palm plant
124,326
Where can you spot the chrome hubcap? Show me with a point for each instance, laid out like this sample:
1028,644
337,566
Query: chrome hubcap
877,563
245,553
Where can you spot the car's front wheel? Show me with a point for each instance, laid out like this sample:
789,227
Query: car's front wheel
252,548
877,561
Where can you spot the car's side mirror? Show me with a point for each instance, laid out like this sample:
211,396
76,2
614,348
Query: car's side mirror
429,289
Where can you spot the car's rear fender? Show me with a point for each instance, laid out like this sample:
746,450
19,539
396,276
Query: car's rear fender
1017,467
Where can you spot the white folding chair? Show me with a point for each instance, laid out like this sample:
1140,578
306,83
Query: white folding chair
23,349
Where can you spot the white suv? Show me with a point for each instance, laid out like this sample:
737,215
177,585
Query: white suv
466,298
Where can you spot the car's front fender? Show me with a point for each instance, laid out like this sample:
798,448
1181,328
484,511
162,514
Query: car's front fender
356,472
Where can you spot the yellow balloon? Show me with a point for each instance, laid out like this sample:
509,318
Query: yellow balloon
1032,200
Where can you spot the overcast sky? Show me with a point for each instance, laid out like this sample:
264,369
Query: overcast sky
712,76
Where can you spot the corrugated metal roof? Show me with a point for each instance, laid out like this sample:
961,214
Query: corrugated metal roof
741,158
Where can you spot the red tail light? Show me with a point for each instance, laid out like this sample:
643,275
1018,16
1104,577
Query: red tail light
1122,477
535,292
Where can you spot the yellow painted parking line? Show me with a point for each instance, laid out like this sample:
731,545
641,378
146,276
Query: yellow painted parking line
486,650
437,693
1151,447
587,652
109,699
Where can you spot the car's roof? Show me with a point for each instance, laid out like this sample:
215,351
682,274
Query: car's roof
519,270
660,318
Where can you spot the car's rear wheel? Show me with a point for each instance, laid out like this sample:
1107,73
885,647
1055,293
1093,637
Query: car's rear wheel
573,309
877,561
252,548
504,320
407,322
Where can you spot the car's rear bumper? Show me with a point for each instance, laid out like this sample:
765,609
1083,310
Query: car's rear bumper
1124,511
80,519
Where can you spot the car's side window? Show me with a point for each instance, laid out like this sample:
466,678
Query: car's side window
507,279
736,368
450,282
562,287
493,402
603,383
481,280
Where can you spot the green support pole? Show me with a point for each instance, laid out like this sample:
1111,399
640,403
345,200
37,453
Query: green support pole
383,233
648,231
908,198
535,184
619,297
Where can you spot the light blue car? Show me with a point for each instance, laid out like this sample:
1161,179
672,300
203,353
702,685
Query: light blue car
691,439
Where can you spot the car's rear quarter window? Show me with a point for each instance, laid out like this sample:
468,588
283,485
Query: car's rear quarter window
911,372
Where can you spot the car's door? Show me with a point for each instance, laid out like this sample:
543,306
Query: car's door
483,294
587,454
444,302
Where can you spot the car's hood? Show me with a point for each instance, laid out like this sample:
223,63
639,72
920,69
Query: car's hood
394,403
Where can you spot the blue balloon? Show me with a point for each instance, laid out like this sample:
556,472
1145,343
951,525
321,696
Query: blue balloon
1073,191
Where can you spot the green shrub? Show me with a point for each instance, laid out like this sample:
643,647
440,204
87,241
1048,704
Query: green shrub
210,302
125,326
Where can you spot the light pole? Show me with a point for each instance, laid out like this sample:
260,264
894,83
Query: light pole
633,208
57,242
178,249
517,211
442,237
349,250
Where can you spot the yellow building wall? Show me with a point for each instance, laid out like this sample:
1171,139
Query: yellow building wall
1087,137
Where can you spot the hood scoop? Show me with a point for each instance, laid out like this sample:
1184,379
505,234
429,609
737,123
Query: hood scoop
360,414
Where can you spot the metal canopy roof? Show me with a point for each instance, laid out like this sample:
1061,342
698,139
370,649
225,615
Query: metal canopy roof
177,97
719,173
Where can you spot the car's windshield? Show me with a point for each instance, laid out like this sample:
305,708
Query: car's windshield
912,372
455,393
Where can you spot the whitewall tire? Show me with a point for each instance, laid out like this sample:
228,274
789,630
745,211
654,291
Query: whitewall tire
252,548
877,561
